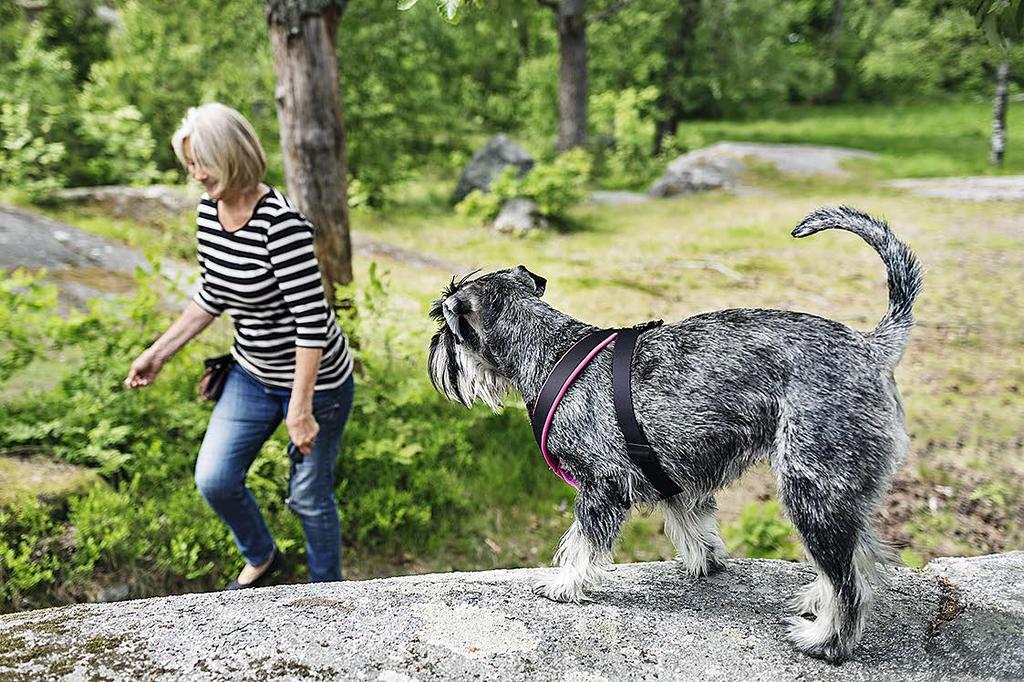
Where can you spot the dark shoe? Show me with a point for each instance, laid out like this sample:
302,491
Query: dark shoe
276,564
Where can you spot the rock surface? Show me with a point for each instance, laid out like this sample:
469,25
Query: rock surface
141,204
49,478
499,153
1000,188
83,265
721,165
519,216
617,197
959,618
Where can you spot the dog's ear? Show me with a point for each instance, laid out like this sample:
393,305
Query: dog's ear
455,310
536,281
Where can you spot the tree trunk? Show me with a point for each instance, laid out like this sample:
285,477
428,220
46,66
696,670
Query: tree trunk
678,67
303,34
572,74
999,103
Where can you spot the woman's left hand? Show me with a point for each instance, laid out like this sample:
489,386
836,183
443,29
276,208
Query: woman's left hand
302,429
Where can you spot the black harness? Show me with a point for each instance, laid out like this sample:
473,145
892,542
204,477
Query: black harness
565,372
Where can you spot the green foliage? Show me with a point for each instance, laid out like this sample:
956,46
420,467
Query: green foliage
75,27
912,54
1002,20
26,306
761,533
537,81
29,161
416,89
625,122
165,60
555,187
51,134
122,142
408,450
481,206
36,117
404,479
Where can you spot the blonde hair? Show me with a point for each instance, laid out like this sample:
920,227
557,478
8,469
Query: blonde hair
224,143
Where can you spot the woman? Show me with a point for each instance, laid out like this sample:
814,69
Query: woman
291,359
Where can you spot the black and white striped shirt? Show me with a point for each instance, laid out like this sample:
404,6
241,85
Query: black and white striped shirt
266,276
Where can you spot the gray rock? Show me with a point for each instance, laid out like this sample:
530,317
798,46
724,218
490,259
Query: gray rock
83,265
616,198
959,619
999,188
519,216
721,165
696,172
111,593
141,204
499,153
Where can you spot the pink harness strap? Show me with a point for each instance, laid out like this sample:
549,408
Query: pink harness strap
543,439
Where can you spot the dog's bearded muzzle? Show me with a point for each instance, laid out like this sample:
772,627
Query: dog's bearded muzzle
458,371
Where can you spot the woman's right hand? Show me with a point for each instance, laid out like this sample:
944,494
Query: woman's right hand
144,370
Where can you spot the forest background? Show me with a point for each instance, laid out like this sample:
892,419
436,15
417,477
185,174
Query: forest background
91,91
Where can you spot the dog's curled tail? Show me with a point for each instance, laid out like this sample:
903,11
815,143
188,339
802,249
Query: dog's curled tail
902,265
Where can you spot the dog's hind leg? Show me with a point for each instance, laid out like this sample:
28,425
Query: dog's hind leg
843,552
585,551
693,530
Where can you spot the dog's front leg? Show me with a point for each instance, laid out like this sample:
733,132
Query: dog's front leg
585,551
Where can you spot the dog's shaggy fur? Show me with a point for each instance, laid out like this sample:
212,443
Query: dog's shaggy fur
714,394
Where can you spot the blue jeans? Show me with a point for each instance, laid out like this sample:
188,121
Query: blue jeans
245,416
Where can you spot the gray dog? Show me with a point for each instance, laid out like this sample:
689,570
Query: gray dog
714,393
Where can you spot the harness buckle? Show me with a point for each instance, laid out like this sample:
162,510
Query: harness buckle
640,451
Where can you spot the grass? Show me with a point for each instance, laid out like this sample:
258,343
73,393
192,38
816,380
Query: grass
962,377
930,139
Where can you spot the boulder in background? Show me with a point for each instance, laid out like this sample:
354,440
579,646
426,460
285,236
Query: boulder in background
499,153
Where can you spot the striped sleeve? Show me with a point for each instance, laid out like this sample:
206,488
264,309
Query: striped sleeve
294,264
203,298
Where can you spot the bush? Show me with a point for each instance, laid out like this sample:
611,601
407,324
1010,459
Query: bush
555,187
121,144
761,533
37,117
405,478
626,120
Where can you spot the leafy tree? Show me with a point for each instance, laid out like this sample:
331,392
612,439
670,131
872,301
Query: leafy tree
79,28
571,22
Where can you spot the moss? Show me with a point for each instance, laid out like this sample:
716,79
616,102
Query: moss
9,642
101,645
950,606
43,476
315,601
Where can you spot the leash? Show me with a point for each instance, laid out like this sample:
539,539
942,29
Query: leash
565,371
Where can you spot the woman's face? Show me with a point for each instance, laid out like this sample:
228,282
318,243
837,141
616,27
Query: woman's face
198,173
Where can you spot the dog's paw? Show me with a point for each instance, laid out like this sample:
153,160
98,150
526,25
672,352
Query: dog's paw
809,599
703,564
816,639
559,590
718,558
